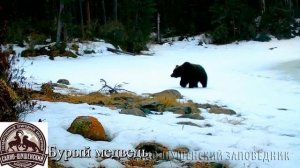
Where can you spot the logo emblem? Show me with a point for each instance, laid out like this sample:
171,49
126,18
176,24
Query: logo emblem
23,145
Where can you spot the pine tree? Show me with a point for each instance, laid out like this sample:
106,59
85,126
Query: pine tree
277,18
137,17
233,20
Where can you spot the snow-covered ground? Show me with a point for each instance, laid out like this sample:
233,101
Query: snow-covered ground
260,81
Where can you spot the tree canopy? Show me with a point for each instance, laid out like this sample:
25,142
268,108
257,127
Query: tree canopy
128,23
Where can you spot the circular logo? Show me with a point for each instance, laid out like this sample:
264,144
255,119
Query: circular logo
23,145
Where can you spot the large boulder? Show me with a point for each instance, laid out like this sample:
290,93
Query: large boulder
89,127
219,110
133,111
169,92
180,109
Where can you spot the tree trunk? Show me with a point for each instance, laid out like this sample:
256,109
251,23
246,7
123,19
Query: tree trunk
263,6
65,32
103,12
290,4
59,21
115,10
87,12
81,19
158,28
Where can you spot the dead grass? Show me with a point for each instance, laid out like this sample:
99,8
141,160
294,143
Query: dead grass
91,98
167,99
139,164
117,100
209,165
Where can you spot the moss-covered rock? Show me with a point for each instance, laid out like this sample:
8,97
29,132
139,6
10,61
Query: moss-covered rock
180,110
195,116
220,110
169,92
89,127
133,111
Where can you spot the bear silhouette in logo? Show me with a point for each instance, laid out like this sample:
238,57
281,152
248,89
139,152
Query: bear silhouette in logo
28,144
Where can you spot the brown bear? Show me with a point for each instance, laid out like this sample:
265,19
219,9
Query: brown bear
190,74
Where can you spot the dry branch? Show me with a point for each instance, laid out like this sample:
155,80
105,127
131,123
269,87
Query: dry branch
109,89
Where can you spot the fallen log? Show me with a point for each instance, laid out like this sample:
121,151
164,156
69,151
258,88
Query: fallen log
119,51
116,51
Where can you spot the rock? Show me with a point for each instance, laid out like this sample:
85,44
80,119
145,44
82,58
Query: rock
180,109
47,88
188,123
220,110
133,111
152,147
212,108
146,111
181,150
63,81
207,125
89,127
195,116
152,106
207,106
171,92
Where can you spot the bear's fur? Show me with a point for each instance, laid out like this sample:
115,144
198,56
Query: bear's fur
190,74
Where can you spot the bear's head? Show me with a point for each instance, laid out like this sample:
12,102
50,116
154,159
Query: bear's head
177,72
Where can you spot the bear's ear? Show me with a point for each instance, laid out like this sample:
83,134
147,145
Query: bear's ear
177,66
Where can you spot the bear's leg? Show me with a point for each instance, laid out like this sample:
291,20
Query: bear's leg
193,84
203,83
183,83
